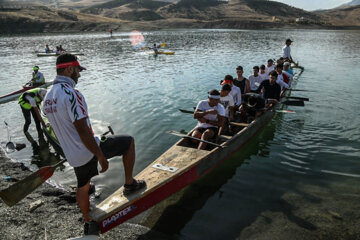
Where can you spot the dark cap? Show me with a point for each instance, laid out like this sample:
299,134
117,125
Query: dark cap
289,40
226,87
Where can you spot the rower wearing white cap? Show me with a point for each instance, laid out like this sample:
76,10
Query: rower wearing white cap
288,69
211,116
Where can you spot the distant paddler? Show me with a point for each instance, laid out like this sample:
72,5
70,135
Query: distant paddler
287,50
156,48
67,112
37,78
47,49
111,32
29,102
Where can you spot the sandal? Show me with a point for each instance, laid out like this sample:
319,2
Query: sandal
136,185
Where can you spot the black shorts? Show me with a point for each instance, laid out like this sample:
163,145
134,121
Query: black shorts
115,145
214,129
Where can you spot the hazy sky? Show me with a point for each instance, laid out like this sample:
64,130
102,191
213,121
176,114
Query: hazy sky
314,4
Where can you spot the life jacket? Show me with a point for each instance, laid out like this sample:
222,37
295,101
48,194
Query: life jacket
285,77
24,103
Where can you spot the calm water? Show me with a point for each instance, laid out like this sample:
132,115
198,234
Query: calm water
139,94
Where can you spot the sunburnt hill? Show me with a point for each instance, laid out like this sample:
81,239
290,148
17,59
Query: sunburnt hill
149,14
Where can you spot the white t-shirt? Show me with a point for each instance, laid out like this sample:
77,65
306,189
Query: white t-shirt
39,77
286,51
255,82
204,106
280,81
227,102
269,69
31,101
63,105
236,94
264,76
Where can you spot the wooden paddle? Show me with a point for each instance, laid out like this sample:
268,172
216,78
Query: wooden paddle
191,137
301,90
298,98
293,103
22,188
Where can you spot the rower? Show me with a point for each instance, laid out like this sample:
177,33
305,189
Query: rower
156,48
37,77
210,115
255,79
284,78
58,51
252,107
47,49
288,69
29,102
61,49
286,50
271,89
228,102
241,82
235,91
270,66
262,73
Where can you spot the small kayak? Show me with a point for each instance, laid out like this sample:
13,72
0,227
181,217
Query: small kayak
166,53
54,54
12,96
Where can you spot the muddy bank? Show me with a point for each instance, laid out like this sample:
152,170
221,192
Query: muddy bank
57,218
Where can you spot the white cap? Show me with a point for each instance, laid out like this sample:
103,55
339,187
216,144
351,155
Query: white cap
286,63
42,93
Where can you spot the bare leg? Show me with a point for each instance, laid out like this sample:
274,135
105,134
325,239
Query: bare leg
206,136
82,198
129,161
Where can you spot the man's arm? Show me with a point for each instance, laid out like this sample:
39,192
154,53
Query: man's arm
88,140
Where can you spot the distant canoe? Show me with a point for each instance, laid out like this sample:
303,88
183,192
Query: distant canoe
166,53
54,54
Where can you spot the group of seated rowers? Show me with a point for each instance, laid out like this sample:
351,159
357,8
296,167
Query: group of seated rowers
241,99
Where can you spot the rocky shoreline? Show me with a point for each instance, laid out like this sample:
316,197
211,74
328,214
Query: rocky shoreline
56,215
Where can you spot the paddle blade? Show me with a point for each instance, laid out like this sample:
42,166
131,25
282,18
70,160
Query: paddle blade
299,98
163,45
294,103
16,192
186,111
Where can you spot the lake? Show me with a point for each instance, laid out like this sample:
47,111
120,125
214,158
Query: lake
316,150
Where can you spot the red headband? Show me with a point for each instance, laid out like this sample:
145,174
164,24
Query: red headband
64,65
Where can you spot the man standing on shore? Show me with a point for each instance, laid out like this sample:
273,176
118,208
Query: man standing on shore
68,115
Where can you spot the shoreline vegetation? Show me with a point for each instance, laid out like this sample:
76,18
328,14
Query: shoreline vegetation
123,15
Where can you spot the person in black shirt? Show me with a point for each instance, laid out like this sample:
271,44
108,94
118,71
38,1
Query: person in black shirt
241,82
271,90
252,107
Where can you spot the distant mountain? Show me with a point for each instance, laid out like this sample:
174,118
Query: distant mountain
352,3
345,16
91,15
